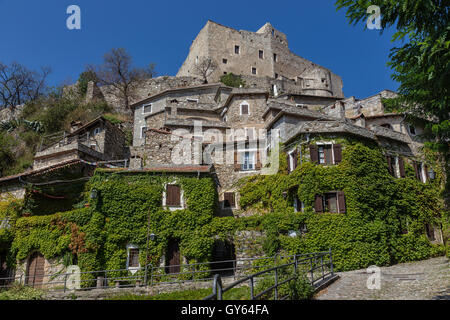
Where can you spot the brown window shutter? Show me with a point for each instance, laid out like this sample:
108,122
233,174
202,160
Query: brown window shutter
341,201
288,159
173,195
416,170
237,165
337,149
229,200
258,161
388,159
401,165
295,155
318,204
313,153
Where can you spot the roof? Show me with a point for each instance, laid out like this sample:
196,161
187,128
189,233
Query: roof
191,122
167,168
41,171
244,92
162,93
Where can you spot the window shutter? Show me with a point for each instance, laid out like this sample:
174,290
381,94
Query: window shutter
416,170
388,159
288,158
341,201
313,153
401,165
258,160
295,155
318,204
237,166
337,149
173,197
229,200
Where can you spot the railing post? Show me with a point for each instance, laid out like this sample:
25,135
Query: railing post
65,282
295,264
311,270
106,279
331,263
252,292
321,264
276,284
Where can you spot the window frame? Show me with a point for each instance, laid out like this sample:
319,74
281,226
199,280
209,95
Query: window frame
248,108
147,105
261,54
237,49
250,165
142,132
133,269
255,69
173,207
224,200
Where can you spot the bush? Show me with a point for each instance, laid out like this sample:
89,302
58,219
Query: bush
232,80
19,292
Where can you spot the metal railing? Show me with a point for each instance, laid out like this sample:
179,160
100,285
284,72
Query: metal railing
150,275
306,264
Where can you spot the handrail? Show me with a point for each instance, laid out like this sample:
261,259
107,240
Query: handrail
218,289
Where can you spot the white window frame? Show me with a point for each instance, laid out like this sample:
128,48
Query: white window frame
240,108
319,144
291,159
192,100
423,174
141,134
146,105
133,270
182,203
252,155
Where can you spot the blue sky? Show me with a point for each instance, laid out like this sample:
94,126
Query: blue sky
34,33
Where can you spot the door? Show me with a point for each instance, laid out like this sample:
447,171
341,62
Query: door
173,257
3,269
35,270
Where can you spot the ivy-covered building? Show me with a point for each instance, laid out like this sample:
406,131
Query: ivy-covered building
209,179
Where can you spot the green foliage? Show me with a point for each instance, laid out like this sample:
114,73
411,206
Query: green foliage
421,64
232,80
22,293
298,288
378,209
84,79
194,294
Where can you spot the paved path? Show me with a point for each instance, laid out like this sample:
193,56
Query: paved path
424,280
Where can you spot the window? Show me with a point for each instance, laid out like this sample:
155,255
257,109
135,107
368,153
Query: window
245,110
430,232
261,54
253,70
292,160
173,195
96,131
133,258
225,61
248,161
276,75
332,202
229,200
326,154
391,165
236,49
192,100
147,108
275,58
412,130
298,205
387,126
143,129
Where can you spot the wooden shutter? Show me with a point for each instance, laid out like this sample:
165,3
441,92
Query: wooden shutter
288,158
229,200
36,270
389,162
237,165
295,156
337,149
318,204
134,258
341,202
401,165
416,170
258,161
173,197
313,153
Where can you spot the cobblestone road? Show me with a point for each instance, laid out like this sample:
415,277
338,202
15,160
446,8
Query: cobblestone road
428,279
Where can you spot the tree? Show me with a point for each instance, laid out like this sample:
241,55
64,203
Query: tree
84,79
204,68
118,73
421,65
19,84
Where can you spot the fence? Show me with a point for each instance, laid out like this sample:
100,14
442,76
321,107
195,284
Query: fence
153,275
306,264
